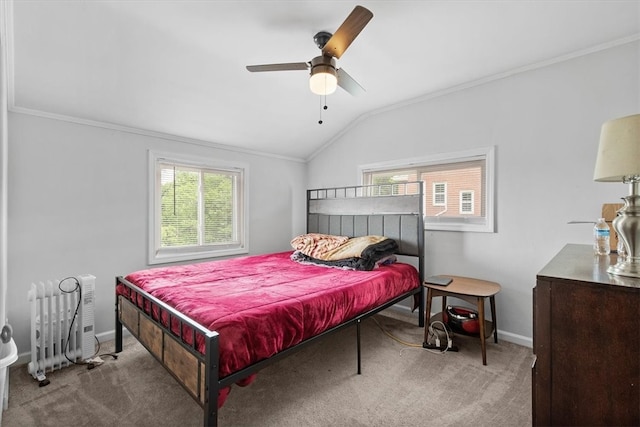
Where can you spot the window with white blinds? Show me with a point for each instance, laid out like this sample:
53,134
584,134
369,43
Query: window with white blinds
197,210
458,187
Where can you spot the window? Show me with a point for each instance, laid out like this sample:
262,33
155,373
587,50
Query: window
466,202
439,194
458,187
197,208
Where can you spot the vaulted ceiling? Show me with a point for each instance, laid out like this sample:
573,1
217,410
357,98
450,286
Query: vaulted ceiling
178,67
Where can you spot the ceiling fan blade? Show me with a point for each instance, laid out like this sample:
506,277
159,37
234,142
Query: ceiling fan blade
346,82
291,66
348,31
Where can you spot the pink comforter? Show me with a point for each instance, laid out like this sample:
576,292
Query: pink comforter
263,304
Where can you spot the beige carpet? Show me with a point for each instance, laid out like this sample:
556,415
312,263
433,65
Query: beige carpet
318,386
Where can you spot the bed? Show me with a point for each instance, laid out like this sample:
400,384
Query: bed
261,308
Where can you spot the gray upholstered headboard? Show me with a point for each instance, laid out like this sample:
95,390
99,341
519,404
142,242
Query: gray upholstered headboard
368,210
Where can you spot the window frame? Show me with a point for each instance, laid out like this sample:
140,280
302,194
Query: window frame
462,223
159,255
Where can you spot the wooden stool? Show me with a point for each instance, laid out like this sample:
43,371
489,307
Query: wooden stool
473,291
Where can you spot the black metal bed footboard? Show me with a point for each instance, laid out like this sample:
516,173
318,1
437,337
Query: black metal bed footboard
207,388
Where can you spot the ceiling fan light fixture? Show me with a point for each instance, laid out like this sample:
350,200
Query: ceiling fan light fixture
324,79
323,82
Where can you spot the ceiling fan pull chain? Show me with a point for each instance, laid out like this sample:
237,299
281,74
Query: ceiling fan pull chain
324,107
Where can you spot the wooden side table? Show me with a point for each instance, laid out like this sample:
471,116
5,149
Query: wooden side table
474,291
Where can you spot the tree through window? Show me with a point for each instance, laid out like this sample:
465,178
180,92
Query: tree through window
198,210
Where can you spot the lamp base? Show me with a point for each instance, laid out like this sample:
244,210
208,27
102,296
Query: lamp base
625,268
627,225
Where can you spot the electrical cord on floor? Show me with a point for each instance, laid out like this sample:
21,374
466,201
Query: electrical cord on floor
390,335
433,334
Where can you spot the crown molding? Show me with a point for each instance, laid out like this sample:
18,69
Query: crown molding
148,133
13,108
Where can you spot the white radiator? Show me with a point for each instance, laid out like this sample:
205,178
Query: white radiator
57,339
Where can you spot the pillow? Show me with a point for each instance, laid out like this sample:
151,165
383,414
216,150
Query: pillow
317,244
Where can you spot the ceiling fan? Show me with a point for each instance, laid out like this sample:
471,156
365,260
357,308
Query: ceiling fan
325,76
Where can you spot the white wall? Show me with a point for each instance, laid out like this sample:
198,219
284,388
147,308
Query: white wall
545,125
78,204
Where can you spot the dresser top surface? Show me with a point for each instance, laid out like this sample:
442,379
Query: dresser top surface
578,262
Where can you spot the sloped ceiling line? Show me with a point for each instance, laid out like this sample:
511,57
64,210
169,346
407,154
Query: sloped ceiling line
468,85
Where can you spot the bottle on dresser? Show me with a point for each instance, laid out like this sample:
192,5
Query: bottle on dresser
601,234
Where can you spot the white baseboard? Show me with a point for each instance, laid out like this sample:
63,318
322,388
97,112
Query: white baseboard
515,338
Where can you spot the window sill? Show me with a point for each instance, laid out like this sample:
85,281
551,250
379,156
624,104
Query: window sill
165,257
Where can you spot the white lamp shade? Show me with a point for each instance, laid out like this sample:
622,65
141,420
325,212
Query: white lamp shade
619,150
323,80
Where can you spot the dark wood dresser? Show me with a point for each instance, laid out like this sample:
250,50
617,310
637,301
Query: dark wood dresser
586,341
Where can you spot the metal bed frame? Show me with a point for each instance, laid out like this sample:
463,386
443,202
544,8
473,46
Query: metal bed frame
350,211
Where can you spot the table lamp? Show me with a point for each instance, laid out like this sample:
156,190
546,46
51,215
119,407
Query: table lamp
619,161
